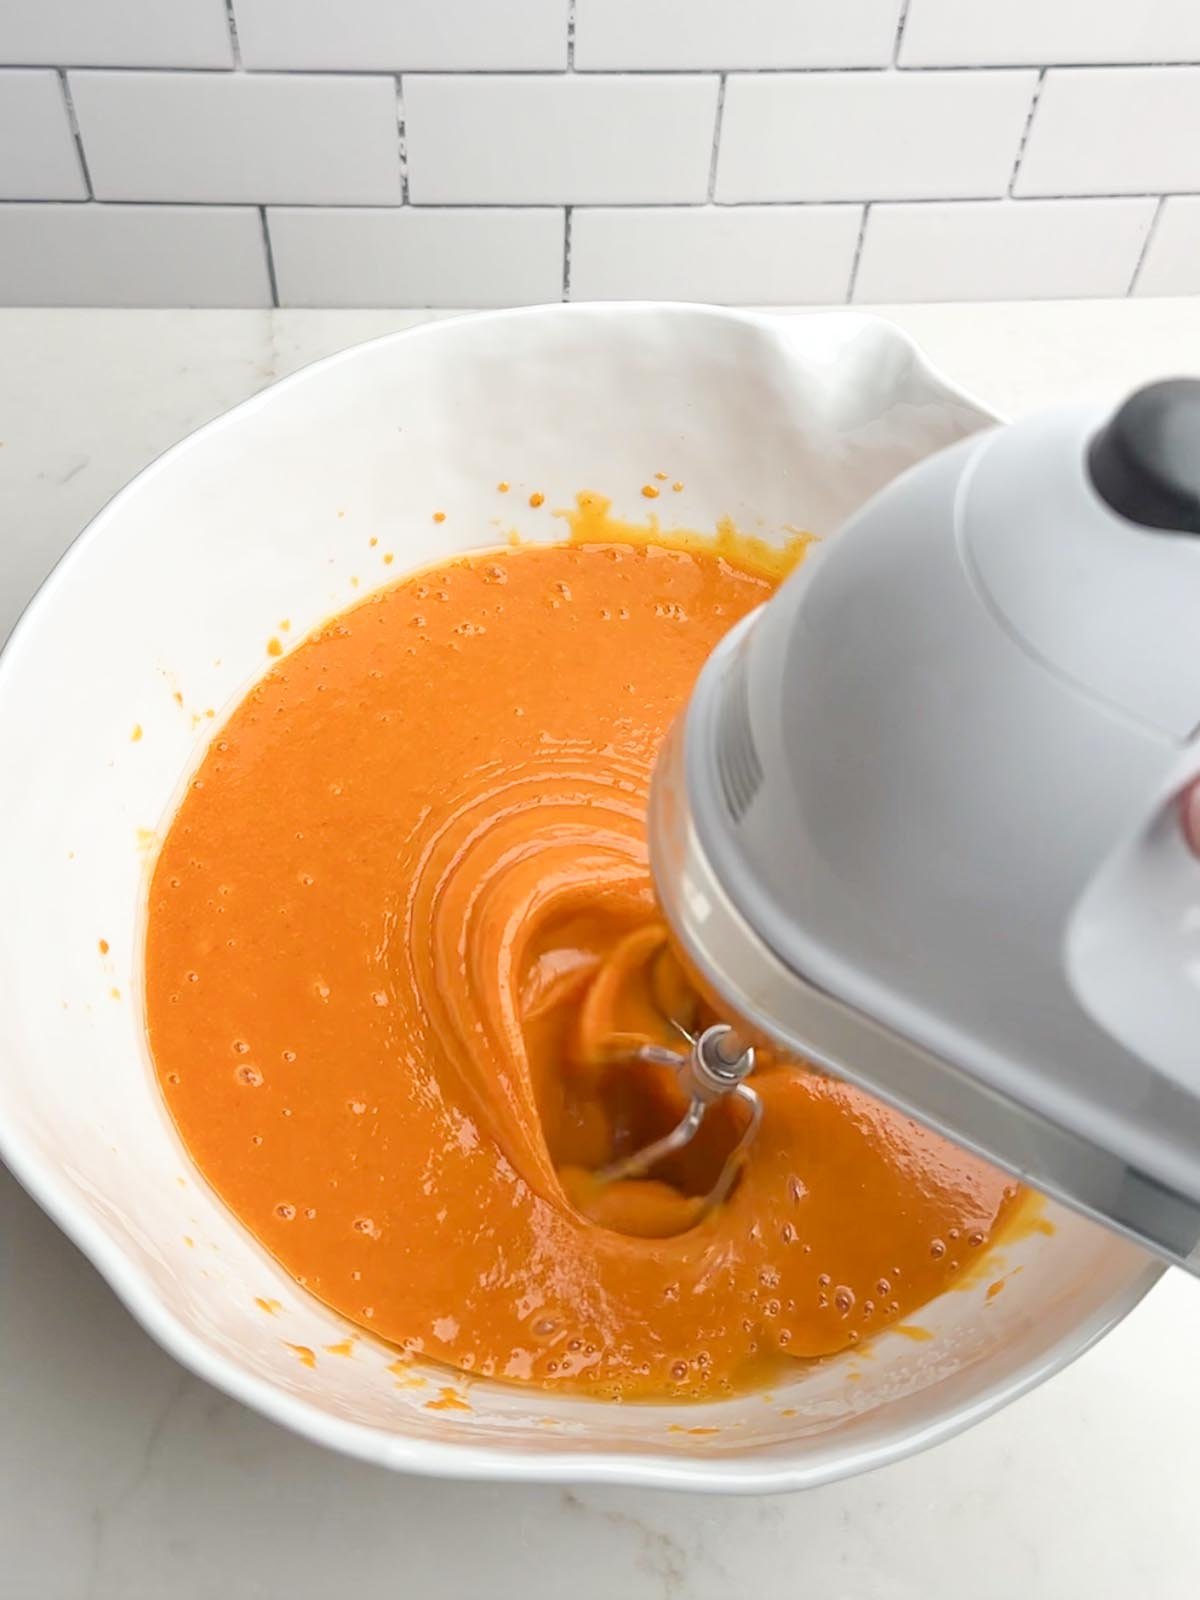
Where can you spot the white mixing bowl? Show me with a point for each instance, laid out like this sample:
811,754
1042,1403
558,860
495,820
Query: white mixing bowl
158,619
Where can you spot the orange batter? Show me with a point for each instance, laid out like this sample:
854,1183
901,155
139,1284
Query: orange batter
401,911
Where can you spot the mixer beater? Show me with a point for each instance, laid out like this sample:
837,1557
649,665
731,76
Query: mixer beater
715,1065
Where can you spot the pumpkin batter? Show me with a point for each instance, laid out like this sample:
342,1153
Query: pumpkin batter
400,914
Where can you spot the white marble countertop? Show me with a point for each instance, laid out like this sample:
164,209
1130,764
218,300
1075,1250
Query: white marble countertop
122,1476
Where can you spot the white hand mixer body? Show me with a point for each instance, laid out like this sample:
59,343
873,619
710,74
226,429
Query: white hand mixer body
919,821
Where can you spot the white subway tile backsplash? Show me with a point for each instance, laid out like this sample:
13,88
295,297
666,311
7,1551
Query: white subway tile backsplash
871,136
418,152
1172,264
215,137
552,140
98,255
115,33
38,156
414,257
747,255
403,35
1114,130
1001,249
958,33
727,34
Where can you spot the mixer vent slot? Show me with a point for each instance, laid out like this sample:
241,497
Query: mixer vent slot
738,768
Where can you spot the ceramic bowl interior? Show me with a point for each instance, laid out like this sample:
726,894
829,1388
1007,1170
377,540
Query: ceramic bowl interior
159,619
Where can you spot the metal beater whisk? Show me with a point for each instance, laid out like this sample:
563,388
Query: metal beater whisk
717,1063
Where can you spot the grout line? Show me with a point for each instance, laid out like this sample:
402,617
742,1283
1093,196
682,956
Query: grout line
1026,131
402,138
568,212
571,35
267,246
845,71
235,42
858,250
829,202
73,120
911,200
852,70
899,39
718,119
1146,243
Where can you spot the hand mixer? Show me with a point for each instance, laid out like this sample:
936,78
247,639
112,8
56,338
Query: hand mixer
919,822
